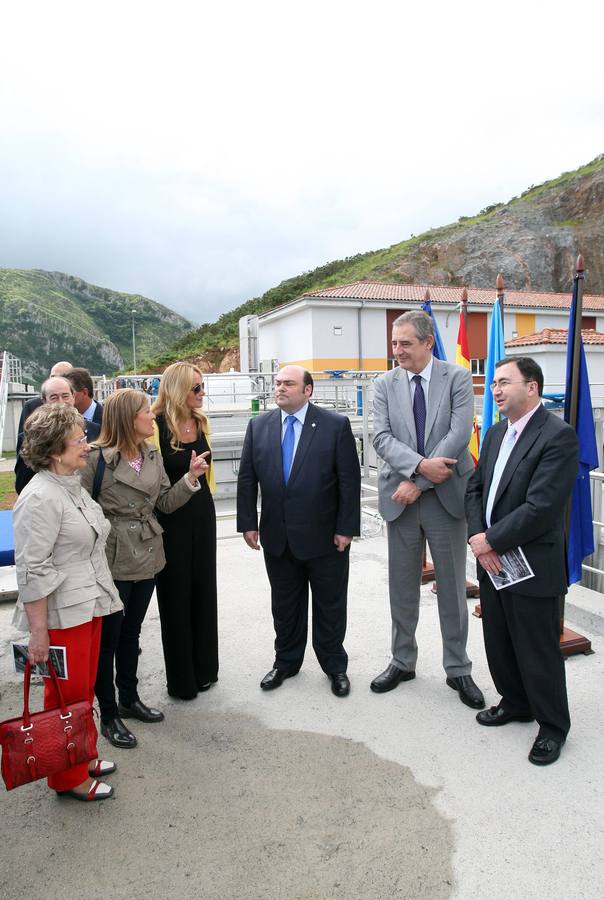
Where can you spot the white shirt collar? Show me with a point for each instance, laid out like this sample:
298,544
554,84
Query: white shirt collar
300,415
89,413
520,424
425,373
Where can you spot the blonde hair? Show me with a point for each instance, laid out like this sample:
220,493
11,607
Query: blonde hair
171,400
117,429
46,432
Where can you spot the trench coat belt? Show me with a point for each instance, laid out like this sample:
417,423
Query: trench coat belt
148,523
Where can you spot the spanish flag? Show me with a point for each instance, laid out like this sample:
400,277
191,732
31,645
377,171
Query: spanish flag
474,445
462,354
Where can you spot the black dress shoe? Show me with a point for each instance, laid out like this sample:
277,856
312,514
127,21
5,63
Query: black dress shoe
469,693
206,685
545,751
138,710
389,678
275,678
497,715
340,685
117,734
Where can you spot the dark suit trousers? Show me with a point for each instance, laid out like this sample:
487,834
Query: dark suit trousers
290,579
522,642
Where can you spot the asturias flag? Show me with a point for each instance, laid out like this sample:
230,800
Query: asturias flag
496,351
438,350
581,534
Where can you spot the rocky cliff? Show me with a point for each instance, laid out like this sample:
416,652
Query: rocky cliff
47,316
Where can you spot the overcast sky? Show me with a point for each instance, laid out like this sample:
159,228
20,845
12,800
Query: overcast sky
200,153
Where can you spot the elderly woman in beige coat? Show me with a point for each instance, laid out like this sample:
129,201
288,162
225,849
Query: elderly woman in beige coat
133,484
65,587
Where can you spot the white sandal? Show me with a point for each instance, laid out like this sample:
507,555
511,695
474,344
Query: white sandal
101,767
98,790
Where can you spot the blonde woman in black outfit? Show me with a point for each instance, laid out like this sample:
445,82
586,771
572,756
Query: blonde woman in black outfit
186,588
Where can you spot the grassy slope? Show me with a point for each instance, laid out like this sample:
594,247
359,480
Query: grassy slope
44,313
376,264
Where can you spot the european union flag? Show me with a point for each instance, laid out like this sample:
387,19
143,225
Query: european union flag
581,533
439,349
495,352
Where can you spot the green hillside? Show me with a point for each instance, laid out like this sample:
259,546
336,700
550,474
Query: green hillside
555,207
46,316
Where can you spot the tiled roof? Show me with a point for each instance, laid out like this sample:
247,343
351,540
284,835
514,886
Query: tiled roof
384,291
555,336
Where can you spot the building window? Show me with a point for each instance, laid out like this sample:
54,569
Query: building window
337,329
477,366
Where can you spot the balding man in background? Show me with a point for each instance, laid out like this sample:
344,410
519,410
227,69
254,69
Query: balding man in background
59,369
54,390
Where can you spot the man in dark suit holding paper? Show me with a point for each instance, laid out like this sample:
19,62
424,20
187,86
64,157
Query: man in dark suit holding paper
517,497
305,462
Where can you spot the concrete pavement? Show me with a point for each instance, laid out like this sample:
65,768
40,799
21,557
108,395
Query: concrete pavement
298,794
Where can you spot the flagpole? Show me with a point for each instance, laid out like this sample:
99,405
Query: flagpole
571,642
576,327
499,285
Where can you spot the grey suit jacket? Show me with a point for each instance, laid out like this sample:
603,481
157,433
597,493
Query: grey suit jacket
449,416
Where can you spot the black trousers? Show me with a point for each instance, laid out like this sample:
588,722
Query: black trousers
290,578
522,642
186,597
119,644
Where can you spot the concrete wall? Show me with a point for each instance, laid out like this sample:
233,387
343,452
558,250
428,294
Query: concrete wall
288,337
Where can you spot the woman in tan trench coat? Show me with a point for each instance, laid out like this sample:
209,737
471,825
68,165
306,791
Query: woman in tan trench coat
134,483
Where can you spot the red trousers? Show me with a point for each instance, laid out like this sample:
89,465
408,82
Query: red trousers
82,650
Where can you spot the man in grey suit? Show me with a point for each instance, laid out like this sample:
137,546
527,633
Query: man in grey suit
423,412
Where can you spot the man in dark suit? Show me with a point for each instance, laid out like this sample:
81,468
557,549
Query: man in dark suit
54,390
517,498
305,461
59,369
83,395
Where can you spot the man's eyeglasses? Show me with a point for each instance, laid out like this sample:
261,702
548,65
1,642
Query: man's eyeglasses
197,388
505,382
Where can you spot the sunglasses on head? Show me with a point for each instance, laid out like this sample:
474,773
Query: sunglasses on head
197,388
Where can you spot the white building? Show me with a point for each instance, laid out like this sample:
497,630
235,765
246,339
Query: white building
349,327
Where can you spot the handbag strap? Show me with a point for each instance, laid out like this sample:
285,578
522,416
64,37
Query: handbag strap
26,686
98,476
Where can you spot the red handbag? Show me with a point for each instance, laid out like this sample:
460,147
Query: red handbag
48,742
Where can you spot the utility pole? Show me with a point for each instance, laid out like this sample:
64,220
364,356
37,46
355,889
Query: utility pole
133,343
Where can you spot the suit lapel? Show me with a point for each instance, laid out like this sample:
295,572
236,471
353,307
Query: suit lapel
402,394
438,385
308,432
526,440
274,442
498,431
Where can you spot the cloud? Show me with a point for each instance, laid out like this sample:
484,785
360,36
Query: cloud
199,154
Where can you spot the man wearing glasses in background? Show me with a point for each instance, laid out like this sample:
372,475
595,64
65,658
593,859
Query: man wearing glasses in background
517,498
54,390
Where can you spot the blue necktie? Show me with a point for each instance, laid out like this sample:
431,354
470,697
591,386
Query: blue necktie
419,413
287,447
